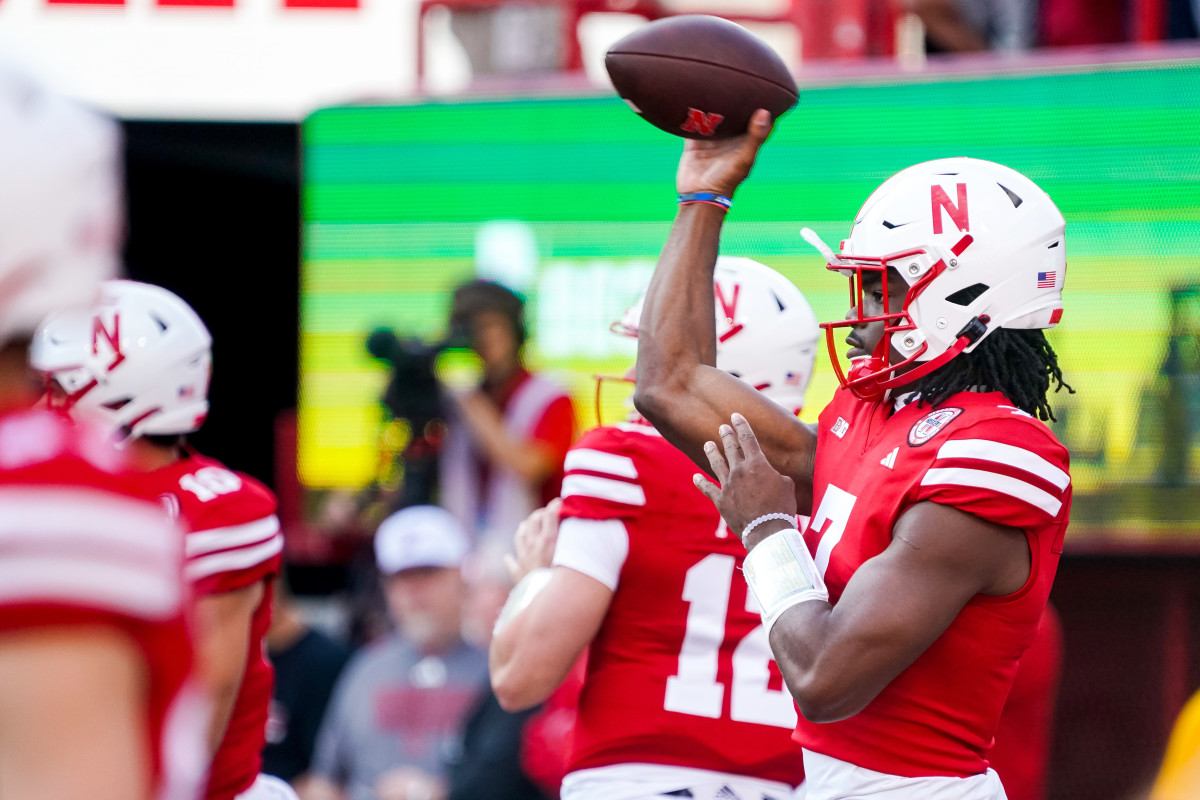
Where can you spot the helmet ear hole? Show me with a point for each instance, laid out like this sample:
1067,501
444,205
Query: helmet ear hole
117,405
964,297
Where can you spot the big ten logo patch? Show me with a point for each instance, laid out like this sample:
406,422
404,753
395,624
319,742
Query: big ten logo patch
928,426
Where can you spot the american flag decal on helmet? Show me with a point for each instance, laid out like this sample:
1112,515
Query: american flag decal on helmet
1046,280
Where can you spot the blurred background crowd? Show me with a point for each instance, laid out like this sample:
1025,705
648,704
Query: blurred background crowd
406,324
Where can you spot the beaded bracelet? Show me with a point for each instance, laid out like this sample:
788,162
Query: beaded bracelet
788,518
712,198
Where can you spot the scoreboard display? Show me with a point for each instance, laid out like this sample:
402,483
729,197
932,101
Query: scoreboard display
569,199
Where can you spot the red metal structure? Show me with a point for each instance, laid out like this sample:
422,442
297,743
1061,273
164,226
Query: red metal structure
828,29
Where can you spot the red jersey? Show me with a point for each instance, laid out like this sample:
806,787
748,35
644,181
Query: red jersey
975,452
232,541
681,671
78,547
1021,753
552,425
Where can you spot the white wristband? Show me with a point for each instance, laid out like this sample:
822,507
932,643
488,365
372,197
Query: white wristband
789,518
781,573
522,595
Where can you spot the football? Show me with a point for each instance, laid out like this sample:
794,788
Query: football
699,77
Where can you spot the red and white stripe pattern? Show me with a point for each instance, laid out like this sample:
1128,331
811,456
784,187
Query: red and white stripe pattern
347,5
1001,468
88,548
231,548
603,476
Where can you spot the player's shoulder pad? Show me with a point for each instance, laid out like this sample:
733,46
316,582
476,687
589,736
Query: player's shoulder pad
995,461
620,451
214,496
1008,425
609,469
617,438
33,441
986,415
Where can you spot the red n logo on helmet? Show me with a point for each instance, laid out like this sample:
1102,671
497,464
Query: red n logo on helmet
941,202
728,308
112,338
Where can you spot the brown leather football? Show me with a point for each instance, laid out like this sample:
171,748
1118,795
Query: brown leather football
699,77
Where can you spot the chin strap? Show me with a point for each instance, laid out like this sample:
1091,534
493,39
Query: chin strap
866,376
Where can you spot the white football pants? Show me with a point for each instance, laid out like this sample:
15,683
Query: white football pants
831,779
268,787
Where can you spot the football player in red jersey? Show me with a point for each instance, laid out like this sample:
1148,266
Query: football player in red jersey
140,362
681,696
940,500
94,652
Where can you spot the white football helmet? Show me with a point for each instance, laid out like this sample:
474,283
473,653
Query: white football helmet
767,334
980,246
60,204
140,361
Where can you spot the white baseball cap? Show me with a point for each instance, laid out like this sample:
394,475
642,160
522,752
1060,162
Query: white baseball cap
420,536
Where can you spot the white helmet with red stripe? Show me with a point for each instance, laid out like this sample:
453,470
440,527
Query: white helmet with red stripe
60,204
140,361
767,334
980,247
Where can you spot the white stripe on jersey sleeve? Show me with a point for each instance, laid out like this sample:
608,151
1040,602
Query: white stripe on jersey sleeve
213,539
615,491
68,518
232,560
1004,484
596,547
638,427
600,461
1019,457
87,581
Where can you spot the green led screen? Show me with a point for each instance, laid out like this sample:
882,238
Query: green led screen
570,199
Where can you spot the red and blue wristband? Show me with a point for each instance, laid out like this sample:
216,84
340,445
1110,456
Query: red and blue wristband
712,198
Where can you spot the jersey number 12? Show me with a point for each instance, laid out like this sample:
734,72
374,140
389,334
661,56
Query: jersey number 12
694,688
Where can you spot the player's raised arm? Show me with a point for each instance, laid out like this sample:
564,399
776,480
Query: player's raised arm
679,390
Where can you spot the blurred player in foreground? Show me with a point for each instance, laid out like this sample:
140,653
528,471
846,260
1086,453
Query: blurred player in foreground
940,500
140,363
94,654
681,696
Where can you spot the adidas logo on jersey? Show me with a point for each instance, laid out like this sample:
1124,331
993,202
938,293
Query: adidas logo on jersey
889,460
725,793
840,427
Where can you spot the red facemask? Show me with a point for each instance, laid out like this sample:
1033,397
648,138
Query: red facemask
870,377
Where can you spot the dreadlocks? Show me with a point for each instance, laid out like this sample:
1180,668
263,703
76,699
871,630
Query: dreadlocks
1019,363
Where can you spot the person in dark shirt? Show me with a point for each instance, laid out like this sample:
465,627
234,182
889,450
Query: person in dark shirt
491,761
490,764
307,665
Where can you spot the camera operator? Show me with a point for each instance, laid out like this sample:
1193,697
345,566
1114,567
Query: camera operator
506,438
